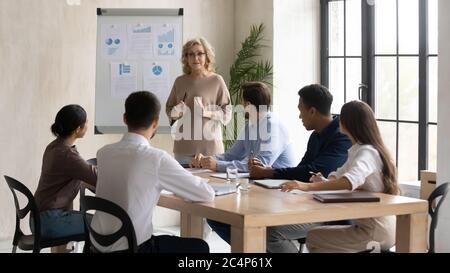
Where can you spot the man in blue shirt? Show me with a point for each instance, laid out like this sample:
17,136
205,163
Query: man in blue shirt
326,151
264,137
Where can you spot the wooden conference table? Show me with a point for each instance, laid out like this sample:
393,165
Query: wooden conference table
250,212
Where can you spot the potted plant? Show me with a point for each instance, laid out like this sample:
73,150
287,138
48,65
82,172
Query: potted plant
248,66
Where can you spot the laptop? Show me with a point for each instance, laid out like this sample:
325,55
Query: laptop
270,183
346,197
224,188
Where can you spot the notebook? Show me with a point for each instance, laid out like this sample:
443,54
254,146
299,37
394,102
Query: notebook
224,188
270,183
346,197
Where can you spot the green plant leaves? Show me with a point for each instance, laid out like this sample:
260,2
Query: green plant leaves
247,67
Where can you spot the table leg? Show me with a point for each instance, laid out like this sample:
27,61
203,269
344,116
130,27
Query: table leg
411,234
191,225
248,239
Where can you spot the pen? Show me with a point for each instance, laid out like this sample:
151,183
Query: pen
251,156
313,173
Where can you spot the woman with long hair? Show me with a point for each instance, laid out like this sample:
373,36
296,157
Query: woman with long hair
369,168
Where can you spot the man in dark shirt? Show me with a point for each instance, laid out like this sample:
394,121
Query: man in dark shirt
327,146
327,151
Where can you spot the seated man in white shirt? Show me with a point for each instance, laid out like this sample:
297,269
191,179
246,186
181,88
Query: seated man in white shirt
132,174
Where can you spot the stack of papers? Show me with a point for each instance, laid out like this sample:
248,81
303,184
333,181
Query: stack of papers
224,175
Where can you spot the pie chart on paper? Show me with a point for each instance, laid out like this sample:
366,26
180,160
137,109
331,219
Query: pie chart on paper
157,70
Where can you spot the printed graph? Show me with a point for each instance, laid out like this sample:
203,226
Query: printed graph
166,43
124,69
143,30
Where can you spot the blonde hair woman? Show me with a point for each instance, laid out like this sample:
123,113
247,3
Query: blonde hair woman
201,101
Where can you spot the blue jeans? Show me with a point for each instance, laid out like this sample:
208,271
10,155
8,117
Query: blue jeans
57,223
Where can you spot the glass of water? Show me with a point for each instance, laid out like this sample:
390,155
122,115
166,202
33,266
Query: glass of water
244,184
232,174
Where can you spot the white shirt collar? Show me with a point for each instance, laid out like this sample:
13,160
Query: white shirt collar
135,138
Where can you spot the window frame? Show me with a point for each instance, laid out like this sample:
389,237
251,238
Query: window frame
367,87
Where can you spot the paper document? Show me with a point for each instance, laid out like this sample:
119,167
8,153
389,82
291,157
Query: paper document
166,41
140,41
224,175
113,41
197,170
123,79
156,78
270,183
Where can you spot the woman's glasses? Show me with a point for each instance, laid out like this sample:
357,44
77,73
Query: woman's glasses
196,54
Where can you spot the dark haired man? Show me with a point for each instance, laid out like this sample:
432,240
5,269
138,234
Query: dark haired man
263,137
327,146
132,174
326,151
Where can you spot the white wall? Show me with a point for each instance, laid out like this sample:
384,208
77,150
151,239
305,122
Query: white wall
47,53
254,12
443,156
296,60
52,63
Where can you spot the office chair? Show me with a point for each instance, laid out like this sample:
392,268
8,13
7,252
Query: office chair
440,191
33,241
126,230
92,161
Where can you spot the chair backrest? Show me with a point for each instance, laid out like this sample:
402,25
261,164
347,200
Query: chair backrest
31,207
126,230
83,188
440,191
92,161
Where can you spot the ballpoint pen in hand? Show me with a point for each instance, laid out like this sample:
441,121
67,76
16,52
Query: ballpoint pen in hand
251,156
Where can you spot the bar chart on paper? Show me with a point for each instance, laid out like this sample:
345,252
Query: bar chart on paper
166,43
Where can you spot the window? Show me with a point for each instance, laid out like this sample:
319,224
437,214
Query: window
384,52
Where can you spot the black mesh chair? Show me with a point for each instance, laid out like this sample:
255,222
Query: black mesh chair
433,211
126,230
33,241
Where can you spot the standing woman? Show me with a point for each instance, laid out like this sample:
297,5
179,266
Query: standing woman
63,169
201,100
369,167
